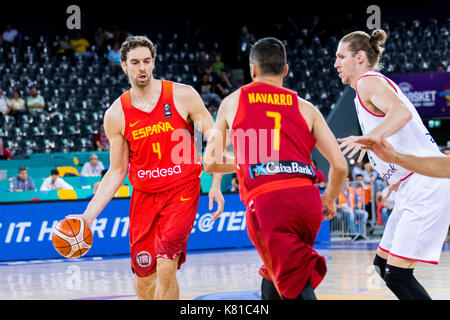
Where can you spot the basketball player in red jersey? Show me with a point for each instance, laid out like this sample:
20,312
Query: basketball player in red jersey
274,132
150,128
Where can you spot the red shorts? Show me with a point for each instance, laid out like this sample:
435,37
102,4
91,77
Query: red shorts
160,225
283,226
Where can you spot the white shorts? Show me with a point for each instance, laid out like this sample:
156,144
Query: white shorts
418,225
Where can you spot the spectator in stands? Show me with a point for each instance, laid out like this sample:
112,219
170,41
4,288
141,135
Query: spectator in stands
35,102
350,24
204,86
114,55
65,48
317,29
4,152
101,140
11,36
234,183
18,106
440,68
357,169
54,182
372,176
80,46
203,63
320,177
364,192
223,84
447,151
99,39
22,182
350,205
92,168
369,173
5,104
246,39
218,65
96,185
388,204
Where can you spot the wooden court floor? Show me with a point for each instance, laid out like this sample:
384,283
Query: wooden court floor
350,276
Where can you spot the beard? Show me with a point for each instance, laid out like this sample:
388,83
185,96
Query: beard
139,83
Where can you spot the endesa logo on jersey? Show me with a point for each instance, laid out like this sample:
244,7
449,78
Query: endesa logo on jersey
159,173
281,167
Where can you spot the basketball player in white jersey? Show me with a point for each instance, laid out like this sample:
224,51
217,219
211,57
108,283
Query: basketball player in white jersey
419,223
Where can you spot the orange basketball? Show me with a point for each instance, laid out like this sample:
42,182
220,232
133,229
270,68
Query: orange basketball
72,237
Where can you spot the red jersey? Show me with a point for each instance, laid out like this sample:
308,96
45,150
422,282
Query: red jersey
271,139
162,151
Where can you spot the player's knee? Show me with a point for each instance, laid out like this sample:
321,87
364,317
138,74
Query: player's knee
380,265
397,277
144,286
166,270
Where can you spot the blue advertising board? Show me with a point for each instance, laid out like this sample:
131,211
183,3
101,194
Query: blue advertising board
26,228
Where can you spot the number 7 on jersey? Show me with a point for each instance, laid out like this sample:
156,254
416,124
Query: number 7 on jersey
277,127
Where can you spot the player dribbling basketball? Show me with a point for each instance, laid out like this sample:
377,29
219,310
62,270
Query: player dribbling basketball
144,127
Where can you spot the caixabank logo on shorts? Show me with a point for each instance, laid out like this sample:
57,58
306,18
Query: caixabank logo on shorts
281,167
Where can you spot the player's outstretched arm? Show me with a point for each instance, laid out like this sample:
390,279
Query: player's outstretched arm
438,167
376,93
119,158
328,147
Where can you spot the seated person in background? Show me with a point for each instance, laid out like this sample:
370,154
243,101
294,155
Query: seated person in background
364,193
101,140
11,36
80,46
320,177
5,104
350,205
18,106
234,183
114,55
388,204
65,48
92,168
22,182
4,153
35,102
54,182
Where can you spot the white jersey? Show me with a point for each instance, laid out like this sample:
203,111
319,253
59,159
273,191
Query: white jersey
413,138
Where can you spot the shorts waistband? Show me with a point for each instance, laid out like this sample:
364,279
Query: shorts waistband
275,186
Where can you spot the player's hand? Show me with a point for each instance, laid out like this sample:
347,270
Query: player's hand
393,188
82,217
329,207
215,194
349,144
380,147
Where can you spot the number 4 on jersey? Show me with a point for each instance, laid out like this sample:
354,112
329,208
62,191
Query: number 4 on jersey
157,149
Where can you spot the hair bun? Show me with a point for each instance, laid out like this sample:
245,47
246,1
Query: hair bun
378,37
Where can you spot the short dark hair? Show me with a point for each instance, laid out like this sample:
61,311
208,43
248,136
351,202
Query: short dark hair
22,169
133,42
54,172
270,55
